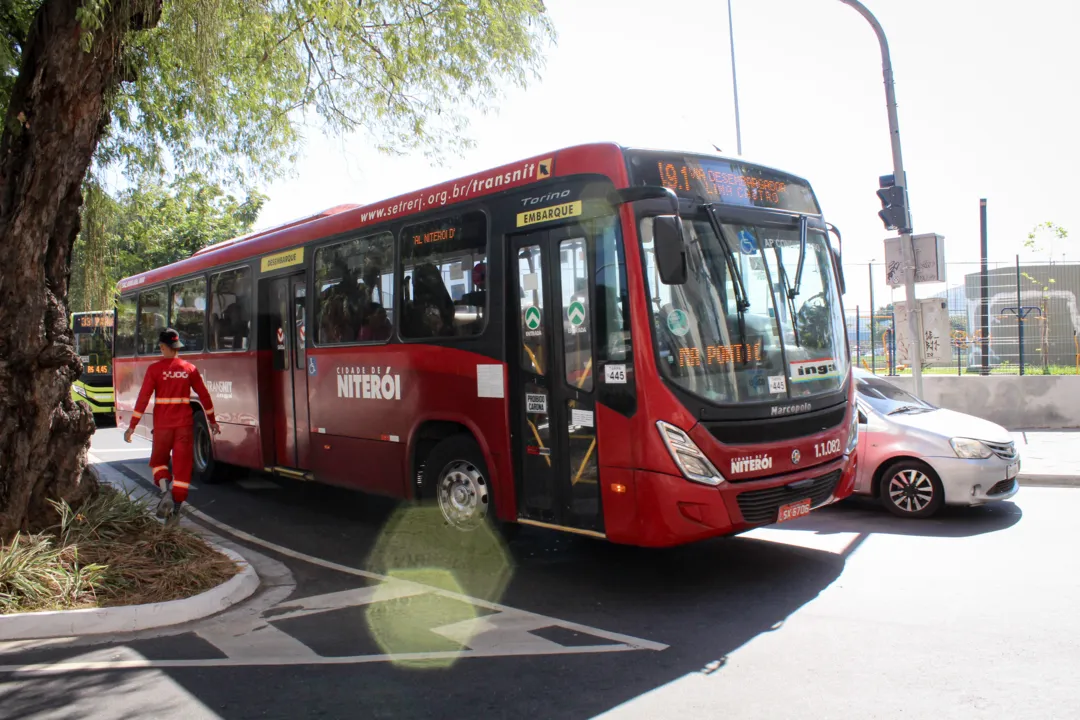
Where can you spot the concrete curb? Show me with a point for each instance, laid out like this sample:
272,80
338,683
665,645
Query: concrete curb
1049,481
130,618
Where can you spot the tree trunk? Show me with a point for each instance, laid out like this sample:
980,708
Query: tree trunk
57,114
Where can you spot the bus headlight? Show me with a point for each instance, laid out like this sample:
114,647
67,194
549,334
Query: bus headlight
687,456
853,432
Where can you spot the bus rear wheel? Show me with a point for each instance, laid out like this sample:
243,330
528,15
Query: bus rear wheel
205,468
458,482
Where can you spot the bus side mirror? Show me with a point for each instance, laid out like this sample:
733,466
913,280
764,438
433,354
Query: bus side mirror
670,250
838,264
838,257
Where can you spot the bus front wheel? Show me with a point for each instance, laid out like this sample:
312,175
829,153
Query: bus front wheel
457,480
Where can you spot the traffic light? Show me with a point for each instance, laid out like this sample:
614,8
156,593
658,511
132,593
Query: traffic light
894,205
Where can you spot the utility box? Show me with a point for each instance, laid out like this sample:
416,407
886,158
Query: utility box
929,259
936,343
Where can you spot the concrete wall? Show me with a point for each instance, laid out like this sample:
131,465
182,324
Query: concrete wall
1012,401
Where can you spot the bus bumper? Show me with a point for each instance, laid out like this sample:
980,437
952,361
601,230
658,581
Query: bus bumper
673,511
100,402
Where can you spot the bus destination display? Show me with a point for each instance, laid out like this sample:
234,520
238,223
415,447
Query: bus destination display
730,183
93,321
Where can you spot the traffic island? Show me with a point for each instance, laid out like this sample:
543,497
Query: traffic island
108,566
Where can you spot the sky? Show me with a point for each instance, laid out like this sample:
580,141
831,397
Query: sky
987,100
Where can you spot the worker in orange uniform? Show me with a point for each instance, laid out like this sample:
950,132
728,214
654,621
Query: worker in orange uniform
171,381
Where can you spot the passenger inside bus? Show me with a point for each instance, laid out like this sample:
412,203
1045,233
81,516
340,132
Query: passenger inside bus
375,326
339,305
430,312
231,325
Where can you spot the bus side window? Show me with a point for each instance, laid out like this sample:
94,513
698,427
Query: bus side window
126,313
230,310
444,263
355,285
188,302
152,314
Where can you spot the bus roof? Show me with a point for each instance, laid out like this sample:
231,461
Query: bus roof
266,231
595,158
598,158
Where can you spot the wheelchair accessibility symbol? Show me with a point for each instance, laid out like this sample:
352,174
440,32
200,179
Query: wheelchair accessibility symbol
312,369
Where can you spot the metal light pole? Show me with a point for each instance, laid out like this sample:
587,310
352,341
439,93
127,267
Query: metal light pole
734,81
908,247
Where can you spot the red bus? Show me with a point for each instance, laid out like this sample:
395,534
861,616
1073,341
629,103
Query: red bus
643,346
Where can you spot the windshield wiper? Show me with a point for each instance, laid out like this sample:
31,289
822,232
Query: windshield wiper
790,295
907,409
794,292
742,301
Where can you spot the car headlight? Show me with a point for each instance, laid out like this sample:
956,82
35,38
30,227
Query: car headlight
687,456
968,448
853,432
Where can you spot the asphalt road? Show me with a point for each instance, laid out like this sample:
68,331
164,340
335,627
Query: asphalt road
846,613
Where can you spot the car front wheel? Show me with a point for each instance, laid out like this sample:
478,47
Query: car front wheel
911,489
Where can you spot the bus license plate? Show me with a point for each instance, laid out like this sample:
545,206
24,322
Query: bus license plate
793,510
1012,470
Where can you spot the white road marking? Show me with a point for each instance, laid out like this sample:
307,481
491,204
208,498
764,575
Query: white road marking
249,638
68,667
633,642
147,692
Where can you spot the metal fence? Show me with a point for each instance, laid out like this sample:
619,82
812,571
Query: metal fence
1031,323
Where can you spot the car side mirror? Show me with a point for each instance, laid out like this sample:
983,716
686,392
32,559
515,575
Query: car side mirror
670,249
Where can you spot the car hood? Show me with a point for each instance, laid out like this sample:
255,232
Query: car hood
950,424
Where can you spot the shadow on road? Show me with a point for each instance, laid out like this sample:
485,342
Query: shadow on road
862,515
704,601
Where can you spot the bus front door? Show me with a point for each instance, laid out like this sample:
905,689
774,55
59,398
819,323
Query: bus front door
288,340
553,389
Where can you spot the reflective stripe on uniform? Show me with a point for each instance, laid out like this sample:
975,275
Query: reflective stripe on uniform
160,468
136,415
181,484
172,401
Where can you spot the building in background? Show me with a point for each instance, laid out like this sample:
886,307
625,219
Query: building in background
1048,294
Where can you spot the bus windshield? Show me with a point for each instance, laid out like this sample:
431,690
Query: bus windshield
777,347
93,342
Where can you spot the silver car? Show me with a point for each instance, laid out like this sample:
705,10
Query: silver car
915,457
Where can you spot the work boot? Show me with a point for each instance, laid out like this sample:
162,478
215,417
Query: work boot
174,515
165,504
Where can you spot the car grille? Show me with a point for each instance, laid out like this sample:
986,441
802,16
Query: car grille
1005,451
1002,487
762,506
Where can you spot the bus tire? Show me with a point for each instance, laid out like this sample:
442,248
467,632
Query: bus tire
204,468
459,484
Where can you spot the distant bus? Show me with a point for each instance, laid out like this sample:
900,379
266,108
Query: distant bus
641,346
93,342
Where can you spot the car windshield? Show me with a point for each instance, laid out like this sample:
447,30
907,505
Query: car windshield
887,398
776,348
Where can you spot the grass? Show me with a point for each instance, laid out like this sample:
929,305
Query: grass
109,551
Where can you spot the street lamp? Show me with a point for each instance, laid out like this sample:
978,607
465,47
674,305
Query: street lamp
906,244
734,81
